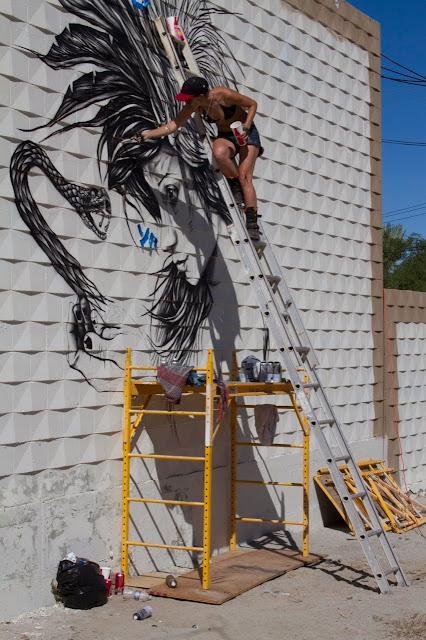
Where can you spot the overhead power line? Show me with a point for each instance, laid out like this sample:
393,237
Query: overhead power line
417,215
405,209
411,78
402,67
408,143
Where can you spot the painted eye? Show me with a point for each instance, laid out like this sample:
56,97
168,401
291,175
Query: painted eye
172,192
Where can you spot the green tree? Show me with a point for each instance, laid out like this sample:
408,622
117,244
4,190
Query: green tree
404,259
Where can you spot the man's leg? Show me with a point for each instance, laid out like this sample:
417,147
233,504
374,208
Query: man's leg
248,157
224,152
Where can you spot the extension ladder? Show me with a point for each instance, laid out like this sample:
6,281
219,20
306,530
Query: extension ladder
290,338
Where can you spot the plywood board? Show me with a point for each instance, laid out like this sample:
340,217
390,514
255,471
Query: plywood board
147,580
233,573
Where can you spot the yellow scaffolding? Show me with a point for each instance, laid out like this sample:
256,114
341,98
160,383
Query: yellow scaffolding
137,396
133,414
239,390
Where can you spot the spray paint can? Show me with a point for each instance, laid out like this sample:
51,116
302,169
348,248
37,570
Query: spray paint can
277,375
144,613
269,372
238,130
119,584
171,582
263,371
108,586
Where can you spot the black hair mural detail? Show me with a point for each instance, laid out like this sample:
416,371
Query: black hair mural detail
131,88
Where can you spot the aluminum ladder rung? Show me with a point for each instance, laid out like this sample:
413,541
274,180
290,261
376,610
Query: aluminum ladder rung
310,385
301,349
325,423
373,532
344,458
355,496
272,279
391,570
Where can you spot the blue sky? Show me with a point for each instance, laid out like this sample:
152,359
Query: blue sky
403,34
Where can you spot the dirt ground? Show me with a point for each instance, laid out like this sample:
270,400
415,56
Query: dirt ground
336,598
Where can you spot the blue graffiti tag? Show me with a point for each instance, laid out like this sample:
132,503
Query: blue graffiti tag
147,236
140,4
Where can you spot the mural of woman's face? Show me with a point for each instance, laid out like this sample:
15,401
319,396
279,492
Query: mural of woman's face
188,237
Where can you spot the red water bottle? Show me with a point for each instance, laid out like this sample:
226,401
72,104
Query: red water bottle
119,584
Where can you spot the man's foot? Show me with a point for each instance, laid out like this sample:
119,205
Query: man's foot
251,223
237,192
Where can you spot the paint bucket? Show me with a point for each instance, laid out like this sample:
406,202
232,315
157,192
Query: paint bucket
237,130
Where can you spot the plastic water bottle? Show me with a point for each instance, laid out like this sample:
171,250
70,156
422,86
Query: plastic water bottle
139,594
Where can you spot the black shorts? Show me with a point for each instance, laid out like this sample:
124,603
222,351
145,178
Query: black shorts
254,139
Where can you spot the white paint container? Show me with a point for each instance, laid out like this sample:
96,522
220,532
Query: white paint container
238,130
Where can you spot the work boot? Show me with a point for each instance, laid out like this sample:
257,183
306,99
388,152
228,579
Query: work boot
251,223
237,192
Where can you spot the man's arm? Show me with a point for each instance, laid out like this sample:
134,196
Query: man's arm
234,97
167,129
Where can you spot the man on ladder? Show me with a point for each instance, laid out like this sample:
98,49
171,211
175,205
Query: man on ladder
223,107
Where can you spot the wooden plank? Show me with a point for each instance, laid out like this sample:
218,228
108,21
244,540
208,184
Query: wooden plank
233,573
325,482
147,580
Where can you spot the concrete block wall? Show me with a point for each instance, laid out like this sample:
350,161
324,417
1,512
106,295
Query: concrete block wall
405,386
315,75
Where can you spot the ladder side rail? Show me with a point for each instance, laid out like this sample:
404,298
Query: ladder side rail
175,63
360,485
354,516
358,523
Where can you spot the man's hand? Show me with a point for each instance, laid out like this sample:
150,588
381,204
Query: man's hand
142,136
245,134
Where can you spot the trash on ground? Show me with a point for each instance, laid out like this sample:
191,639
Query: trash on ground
136,594
81,584
144,613
171,582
